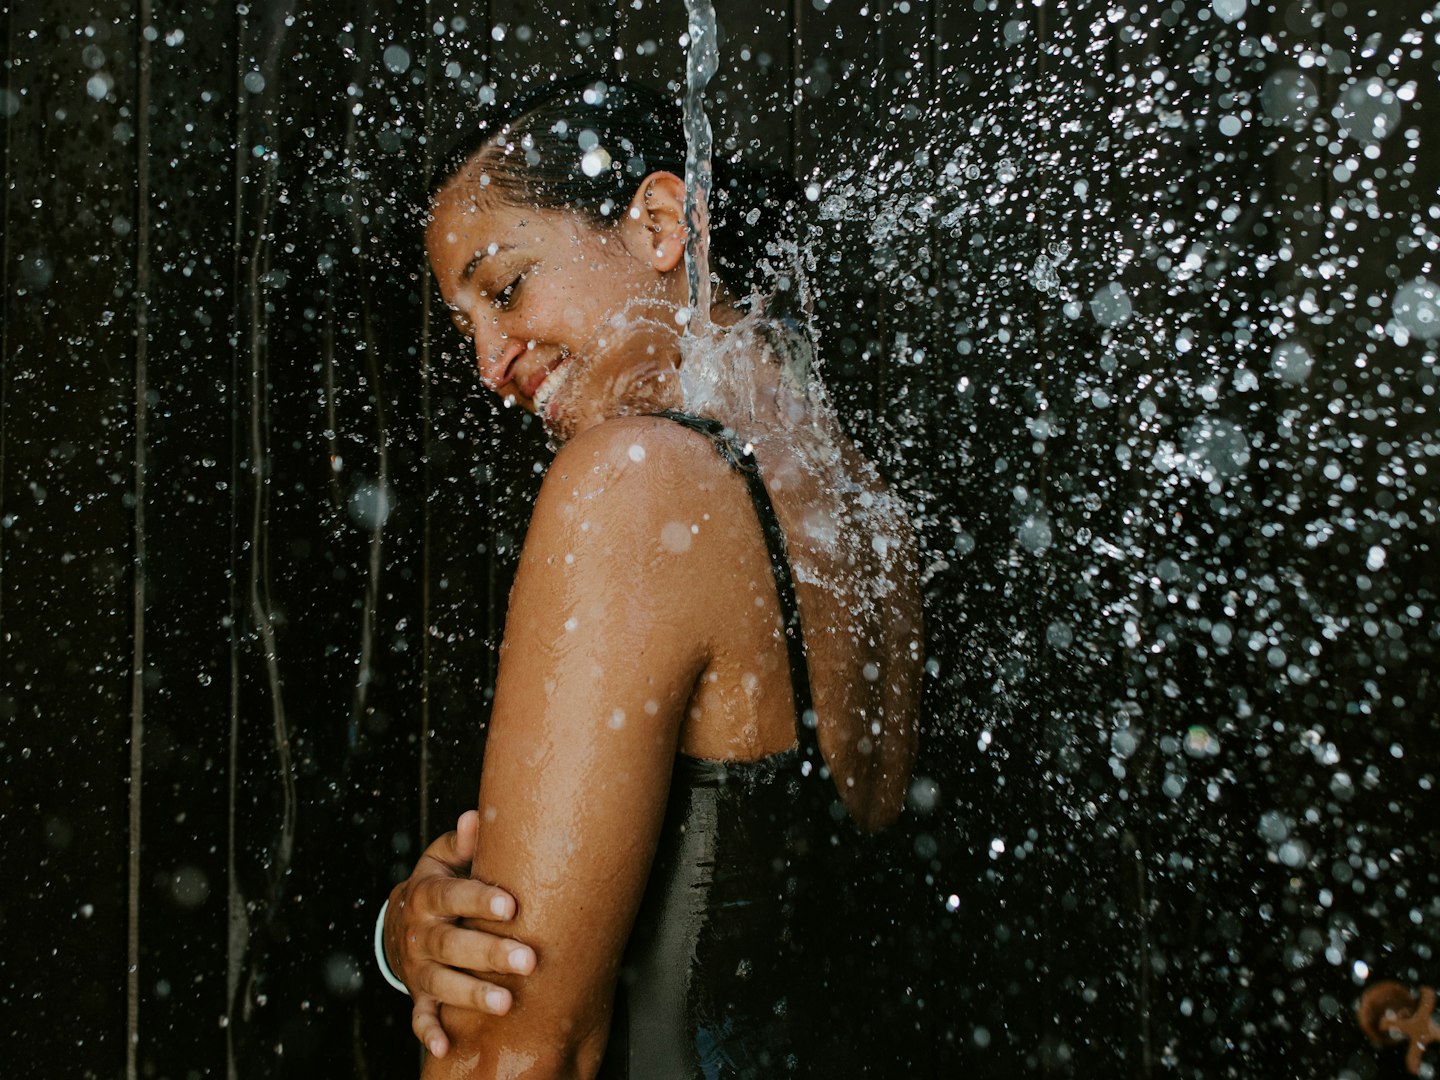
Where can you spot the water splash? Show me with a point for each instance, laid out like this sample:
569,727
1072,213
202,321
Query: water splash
1043,274
850,535
701,60
759,377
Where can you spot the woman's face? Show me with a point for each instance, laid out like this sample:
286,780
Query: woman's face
571,321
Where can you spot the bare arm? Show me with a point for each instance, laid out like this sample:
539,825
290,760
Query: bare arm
439,960
602,649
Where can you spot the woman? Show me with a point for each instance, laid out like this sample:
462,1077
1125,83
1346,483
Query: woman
673,750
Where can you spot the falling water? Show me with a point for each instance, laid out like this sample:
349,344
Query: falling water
759,378
718,376
701,59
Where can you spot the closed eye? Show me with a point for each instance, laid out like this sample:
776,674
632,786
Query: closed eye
505,298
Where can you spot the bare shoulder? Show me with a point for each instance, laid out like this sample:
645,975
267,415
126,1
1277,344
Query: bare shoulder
626,474
623,441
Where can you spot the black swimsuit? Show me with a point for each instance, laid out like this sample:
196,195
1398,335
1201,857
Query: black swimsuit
719,978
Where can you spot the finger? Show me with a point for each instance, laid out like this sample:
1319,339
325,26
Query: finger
444,850
425,1022
462,898
467,835
453,987
479,952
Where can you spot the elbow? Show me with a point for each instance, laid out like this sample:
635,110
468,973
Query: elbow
880,814
881,782
485,1047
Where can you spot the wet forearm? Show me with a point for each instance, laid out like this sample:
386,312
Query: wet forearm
498,1048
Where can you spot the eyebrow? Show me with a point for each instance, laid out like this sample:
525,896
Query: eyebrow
470,267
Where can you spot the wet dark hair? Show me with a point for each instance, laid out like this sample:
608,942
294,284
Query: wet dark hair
585,143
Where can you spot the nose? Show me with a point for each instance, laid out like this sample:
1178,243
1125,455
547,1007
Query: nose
495,364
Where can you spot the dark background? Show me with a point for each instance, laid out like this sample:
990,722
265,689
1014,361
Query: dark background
259,517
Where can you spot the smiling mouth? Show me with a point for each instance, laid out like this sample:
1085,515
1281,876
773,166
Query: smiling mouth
554,378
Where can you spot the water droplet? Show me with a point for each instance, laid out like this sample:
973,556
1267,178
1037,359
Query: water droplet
1111,305
369,505
1417,308
343,976
924,795
1292,363
1043,276
675,537
397,59
1367,111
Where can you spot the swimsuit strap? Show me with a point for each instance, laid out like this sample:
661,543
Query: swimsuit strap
742,460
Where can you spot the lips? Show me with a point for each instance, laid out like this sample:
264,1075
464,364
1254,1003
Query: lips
532,382
524,369
544,391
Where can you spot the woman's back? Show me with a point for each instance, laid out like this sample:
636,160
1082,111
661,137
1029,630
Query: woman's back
851,552
726,973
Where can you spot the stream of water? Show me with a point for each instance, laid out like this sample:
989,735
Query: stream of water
702,57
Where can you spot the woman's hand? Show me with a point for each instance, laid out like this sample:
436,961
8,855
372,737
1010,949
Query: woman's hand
432,953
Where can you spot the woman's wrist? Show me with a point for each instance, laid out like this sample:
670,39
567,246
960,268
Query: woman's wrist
380,959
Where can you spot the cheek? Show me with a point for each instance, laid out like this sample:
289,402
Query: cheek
573,308
467,300
574,319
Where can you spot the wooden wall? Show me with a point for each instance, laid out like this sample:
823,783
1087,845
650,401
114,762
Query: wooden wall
259,517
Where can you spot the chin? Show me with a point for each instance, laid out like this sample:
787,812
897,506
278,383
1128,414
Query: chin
584,402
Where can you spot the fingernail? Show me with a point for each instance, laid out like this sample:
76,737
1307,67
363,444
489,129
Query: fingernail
437,1047
496,999
519,959
500,906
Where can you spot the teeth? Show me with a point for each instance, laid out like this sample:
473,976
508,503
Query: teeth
546,390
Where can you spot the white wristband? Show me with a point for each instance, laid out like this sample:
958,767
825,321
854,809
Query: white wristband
380,951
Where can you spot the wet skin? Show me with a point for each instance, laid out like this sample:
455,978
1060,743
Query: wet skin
643,619
545,292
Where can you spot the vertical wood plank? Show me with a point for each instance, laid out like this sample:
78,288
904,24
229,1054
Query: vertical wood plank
751,91
979,403
649,44
835,91
66,572
365,286
138,542
189,957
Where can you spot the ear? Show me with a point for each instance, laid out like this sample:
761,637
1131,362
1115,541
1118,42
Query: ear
655,221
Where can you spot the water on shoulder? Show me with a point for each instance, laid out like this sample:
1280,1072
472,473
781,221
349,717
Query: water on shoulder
851,547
